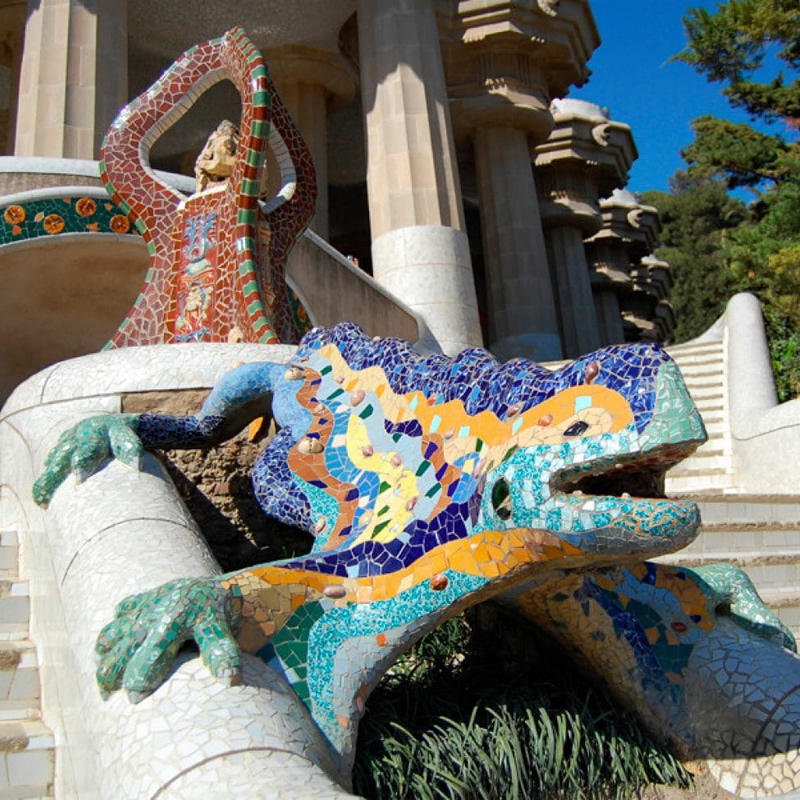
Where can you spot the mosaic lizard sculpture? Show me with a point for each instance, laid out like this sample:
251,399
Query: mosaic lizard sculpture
430,484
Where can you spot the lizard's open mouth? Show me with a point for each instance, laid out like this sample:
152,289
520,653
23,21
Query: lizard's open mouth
638,475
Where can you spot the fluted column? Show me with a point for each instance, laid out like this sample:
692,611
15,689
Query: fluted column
419,247
579,327
629,233
504,62
522,320
73,77
312,84
585,157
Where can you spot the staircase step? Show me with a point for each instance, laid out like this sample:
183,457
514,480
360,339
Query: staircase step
707,457
715,427
706,393
698,481
767,540
769,573
704,377
19,681
697,467
15,606
693,347
26,760
709,406
9,552
749,509
709,366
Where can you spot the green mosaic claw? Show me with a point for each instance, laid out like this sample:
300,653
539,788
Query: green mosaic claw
735,595
137,648
83,448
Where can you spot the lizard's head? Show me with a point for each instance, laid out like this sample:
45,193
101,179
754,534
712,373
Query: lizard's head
588,462
421,453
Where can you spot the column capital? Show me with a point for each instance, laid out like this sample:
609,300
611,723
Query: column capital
505,60
328,69
583,132
626,221
586,157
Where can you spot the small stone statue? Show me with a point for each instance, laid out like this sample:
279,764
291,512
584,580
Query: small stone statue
215,163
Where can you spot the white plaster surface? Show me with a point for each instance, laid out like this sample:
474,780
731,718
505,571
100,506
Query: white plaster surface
766,434
120,532
569,105
428,267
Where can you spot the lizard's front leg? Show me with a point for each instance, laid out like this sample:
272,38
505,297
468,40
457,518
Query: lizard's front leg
241,396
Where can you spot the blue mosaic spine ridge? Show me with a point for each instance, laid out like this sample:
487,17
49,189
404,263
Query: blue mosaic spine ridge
242,395
476,378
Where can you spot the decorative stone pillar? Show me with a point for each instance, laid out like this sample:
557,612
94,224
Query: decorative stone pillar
629,233
504,61
654,277
522,318
419,247
12,25
313,83
74,76
585,158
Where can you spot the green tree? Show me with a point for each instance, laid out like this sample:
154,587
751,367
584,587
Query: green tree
695,215
752,48
730,45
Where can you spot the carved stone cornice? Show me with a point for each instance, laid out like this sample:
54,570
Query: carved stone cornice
550,7
583,137
568,197
628,223
504,60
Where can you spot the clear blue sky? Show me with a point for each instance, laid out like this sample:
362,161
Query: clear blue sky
633,76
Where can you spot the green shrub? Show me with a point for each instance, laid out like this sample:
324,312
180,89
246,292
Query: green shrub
461,718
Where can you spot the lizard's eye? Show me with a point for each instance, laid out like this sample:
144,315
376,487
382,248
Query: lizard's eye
577,428
501,499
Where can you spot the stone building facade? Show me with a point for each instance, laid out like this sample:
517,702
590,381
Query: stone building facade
448,166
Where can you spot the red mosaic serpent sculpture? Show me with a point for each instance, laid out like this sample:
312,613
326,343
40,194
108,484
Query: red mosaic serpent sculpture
217,258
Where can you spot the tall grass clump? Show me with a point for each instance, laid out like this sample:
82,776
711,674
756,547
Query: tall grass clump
463,715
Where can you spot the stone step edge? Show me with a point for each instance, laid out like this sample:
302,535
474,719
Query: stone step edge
17,736
777,599
752,499
677,472
704,381
753,558
749,527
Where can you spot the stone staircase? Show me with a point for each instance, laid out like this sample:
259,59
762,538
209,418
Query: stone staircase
711,468
761,535
26,744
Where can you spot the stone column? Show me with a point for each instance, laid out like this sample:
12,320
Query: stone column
579,329
504,62
419,248
585,158
74,76
655,277
628,234
12,25
313,83
522,317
